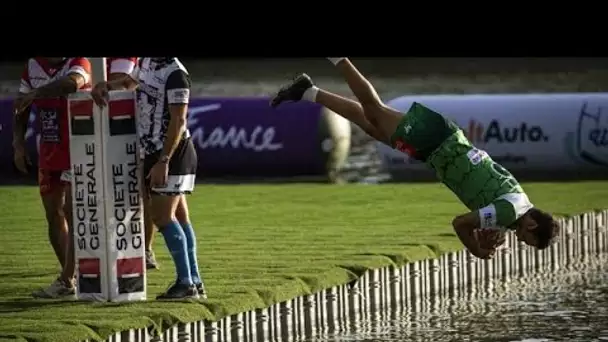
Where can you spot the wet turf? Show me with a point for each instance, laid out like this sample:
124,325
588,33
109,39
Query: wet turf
258,245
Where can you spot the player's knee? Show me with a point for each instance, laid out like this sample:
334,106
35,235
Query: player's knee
181,214
162,215
55,214
161,219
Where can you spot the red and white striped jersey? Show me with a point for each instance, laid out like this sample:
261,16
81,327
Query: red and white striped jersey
120,65
52,113
38,72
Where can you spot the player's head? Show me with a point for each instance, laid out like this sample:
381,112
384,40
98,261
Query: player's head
55,60
536,228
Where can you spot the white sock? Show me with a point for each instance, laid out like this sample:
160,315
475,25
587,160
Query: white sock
336,60
311,94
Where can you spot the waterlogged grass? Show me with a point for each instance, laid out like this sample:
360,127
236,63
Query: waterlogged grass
258,245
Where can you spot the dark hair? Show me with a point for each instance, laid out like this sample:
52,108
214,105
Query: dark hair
547,228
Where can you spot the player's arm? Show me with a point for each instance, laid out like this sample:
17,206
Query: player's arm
20,121
177,94
121,73
121,77
78,75
464,226
21,111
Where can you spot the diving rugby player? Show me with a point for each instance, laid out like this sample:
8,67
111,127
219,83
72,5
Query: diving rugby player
496,200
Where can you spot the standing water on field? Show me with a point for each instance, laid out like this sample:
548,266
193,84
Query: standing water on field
568,305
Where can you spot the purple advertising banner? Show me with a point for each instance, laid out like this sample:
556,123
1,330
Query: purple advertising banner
233,136
244,136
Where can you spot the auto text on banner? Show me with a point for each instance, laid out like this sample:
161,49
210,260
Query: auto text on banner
104,158
522,131
124,210
90,235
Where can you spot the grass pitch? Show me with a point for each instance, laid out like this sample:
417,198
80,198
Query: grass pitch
258,245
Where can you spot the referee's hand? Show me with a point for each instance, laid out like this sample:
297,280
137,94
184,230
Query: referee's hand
101,94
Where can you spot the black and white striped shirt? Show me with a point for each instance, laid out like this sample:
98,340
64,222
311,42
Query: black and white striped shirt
162,81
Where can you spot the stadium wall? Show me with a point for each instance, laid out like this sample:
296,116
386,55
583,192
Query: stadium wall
583,237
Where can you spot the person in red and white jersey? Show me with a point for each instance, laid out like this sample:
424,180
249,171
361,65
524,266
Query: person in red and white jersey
118,67
45,83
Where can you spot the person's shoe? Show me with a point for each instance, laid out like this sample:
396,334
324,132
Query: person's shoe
292,91
57,289
151,261
200,288
179,291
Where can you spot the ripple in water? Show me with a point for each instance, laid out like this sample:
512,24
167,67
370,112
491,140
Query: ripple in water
569,305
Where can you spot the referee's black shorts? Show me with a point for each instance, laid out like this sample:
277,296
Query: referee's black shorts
182,170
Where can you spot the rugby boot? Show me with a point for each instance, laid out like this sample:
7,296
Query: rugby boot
292,91
200,288
57,289
179,291
151,262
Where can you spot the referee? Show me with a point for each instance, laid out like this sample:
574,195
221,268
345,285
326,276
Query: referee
170,161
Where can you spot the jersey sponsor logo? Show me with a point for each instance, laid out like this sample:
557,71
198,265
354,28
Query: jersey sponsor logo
49,125
497,133
590,140
476,156
488,219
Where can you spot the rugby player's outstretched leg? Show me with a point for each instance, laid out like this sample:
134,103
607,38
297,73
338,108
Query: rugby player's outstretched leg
303,88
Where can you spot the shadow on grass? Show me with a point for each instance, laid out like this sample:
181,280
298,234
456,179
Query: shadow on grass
25,274
14,338
19,305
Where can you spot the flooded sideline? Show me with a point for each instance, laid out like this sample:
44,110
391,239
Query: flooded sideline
569,304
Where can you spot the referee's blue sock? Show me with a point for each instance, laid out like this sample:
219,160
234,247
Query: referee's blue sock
191,243
176,242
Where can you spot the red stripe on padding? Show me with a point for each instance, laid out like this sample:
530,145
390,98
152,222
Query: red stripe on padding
129,266
122,108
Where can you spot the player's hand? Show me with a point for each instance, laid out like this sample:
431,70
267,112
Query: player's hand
101,94
158,175
485,254
22,102
21,159
489,238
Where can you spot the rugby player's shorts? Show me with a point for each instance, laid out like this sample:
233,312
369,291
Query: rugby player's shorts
51,181
182,170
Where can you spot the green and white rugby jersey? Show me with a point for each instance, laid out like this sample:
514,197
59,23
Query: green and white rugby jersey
478,181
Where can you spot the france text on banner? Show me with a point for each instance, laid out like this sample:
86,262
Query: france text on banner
245,137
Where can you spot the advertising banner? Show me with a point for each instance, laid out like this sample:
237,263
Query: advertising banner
245,137
233,136
533,132
109,239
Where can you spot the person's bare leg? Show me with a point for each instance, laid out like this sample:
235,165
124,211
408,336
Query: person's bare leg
69,267
149,226
383,117
53,201
57,226
348,109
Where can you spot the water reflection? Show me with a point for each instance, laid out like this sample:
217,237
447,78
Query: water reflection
568,305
